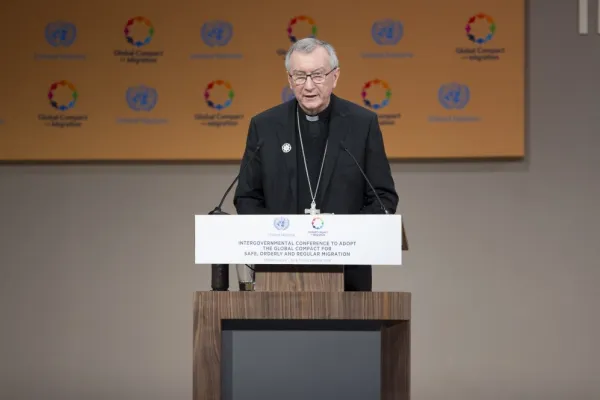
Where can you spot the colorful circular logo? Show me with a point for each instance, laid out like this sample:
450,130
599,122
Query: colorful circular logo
230,94
481,17
317,223
376,82
147,38
301,18
62,106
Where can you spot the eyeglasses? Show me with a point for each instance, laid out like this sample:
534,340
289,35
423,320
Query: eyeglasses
317,77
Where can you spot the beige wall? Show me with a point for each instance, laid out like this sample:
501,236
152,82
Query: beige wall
97,269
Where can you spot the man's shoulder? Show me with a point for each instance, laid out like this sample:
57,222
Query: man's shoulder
282,111
270,114
355,110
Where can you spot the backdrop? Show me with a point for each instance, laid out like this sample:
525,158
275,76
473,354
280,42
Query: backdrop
180,80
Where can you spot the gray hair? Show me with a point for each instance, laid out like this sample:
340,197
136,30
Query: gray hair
308,45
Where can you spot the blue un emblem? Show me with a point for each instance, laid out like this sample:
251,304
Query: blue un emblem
281,223
387,32
287,94
60,33
216,33
454,96
141,98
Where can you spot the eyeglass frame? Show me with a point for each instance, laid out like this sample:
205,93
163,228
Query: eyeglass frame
305,77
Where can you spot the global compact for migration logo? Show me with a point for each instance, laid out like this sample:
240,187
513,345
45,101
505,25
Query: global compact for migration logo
376,94
317,224
386,35
480,32
216,36
141,101
218,97
453,98
63,99
60,36
138,36
299,27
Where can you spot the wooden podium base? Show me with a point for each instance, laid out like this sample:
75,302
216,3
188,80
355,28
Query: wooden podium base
392,310
293,278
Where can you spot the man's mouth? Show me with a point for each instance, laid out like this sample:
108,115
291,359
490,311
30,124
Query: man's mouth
310,96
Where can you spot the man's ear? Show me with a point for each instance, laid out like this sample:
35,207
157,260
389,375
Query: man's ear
336,76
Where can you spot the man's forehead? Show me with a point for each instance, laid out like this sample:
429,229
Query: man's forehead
308,70
309,62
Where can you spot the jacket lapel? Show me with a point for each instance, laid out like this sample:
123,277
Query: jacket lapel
286,132
339,126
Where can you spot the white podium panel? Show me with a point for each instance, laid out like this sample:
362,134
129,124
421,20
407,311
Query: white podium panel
324,239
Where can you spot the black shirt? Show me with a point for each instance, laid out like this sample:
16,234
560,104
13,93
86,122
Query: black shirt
314,136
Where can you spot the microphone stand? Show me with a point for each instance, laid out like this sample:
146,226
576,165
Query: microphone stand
219,281
343,146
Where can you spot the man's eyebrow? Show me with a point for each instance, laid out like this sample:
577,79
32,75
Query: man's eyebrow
316,71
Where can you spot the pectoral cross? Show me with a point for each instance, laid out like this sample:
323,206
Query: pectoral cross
312,210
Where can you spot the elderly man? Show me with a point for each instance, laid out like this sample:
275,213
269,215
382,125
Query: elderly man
303,164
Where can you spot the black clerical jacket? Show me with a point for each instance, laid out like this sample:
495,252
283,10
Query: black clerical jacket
269,183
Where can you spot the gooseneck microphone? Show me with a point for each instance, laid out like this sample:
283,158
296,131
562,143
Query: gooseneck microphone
217,209
220,272
343,145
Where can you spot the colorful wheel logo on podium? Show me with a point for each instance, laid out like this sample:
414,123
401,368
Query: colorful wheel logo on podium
296,20
481,17
317,223
365,93
211,86
52,95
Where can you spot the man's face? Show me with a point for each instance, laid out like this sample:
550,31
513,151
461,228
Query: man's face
312,96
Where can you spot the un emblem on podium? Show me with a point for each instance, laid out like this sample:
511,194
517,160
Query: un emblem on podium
60,33
454,96
141,98
387,32
216,33
281,223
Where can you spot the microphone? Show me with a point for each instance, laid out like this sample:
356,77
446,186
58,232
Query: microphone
343,145
217,209
220,272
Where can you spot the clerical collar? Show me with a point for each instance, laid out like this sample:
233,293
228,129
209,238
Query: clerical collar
323,115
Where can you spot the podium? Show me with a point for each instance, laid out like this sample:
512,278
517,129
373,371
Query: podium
299,262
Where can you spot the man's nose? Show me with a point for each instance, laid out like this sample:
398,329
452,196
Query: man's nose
309,84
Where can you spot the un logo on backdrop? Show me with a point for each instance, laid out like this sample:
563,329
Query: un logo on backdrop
141,98
281,223
454,96
216,33
60,33
287,94
387,32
